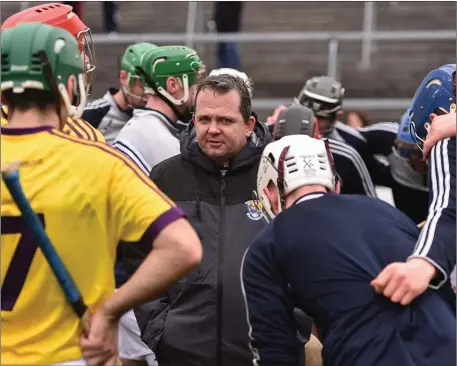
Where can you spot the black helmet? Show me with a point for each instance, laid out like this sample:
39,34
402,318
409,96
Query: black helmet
295,120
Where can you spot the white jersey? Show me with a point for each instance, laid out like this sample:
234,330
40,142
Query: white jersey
106,115
148,138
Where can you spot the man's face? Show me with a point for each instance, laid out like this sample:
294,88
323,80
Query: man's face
221,130
133,91
325,125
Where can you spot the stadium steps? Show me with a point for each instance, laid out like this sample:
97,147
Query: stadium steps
279,69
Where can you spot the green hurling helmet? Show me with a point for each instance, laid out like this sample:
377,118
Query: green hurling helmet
38,56
171,61
132,59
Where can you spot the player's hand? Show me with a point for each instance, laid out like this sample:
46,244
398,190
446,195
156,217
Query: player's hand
273,118
442,127
403,282
100,346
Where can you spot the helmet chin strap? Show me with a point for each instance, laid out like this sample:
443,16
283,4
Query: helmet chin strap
127,94
281,182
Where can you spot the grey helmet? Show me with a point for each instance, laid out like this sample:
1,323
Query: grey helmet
295,120
324,95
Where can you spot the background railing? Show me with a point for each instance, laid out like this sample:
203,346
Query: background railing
197,37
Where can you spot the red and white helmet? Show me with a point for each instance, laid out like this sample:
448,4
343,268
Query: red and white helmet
292,162
60,15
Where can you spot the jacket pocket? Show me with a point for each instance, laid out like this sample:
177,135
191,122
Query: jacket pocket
151,318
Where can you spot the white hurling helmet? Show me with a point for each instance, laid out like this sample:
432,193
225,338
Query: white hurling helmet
290,163
234,72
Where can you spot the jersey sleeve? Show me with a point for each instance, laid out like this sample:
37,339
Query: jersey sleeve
140,211
270,310
437,241
380,137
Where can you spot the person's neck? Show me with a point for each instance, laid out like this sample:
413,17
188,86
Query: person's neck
302,191
119,98
34,118
159,105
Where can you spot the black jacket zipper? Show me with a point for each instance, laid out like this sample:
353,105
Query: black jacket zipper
220,271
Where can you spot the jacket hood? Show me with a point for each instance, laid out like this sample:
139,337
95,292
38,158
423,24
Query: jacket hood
248,156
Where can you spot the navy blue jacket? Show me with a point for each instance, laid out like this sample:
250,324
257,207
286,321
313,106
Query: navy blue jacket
320,255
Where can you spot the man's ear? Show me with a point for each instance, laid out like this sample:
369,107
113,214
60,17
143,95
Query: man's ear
338,187
123,78
250,126
172,84
272,195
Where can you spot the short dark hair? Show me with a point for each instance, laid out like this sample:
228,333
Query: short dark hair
30,98
225,83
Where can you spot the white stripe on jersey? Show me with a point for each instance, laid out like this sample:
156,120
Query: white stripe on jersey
382,126
254,351
133,155
96,104
350,130
441,184
350,153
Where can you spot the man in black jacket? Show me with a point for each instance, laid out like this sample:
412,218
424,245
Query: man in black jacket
201,321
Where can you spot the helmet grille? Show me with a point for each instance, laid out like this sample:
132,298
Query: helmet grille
5,62
36,63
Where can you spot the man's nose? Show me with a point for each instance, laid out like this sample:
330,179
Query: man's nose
214,128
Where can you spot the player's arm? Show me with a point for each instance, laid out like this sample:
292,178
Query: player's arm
443,126
270,311
145,216
95,112
437,241
135,143
380,137
356,178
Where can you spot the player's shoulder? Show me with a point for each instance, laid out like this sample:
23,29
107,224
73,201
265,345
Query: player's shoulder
140,127
391,127
82,149
348,130
82,129
174,166
264,241
342,148
98,104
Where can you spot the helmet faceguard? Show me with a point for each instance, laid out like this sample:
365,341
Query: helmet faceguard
38,56
130,61
324,95
62,16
